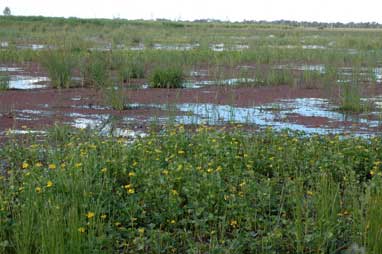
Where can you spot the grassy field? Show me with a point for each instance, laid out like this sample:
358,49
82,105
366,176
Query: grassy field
205,191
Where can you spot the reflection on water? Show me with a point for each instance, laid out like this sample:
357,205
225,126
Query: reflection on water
21,82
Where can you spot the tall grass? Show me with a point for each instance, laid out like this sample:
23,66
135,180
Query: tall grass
206,191
170,77
116,97
59,64
95,70
4,83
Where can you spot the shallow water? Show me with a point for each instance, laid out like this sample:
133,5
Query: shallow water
177,47
276,115
9,69
220,47
34,47
21,82
313,47
104,124
303,67
228,82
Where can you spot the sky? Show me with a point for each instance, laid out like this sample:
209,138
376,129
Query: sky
231,10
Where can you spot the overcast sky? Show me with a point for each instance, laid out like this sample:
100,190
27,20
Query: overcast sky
233,10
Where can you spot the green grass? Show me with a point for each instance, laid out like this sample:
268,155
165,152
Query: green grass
350,99
95,70
115,97
132,69
59,65
170,77
4,83
202,192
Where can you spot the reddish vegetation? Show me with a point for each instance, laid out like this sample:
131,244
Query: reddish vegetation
59,102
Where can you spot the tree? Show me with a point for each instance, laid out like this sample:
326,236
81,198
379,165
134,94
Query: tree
7,11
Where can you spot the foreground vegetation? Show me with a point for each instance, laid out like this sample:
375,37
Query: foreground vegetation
205,191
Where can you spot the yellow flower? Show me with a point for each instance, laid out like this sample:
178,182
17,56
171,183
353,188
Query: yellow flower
174,192
52,166
38,189
172,221
180,152
38,165
90,215
78,165
25,165
49,184
219,168
165,172
127,186
33,146
309,193
233,223
81,230
131,174
103,216
131,191
104,170
141,231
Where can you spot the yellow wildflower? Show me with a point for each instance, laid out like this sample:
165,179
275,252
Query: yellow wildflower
103,216
25,165
38,189
165,172
52,166
141,231
49,184
131,191
38,165
104,170
131,174
233,223
90,215
81,230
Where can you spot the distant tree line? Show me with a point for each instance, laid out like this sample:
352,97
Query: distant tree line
179,24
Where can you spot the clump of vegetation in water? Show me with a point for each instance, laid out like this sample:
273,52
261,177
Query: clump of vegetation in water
96,70
116,97
350,99
170,77
132,68
4,83
59,64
